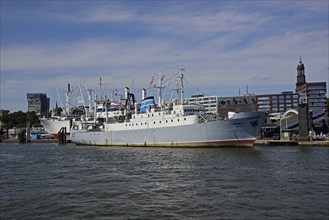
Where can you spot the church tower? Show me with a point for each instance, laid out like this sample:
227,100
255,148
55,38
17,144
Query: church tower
300,73
303,112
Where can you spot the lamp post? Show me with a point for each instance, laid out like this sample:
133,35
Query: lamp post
280,127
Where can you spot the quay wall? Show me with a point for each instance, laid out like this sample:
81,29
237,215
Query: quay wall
294,143
257,143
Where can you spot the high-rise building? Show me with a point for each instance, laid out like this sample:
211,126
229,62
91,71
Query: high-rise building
38,103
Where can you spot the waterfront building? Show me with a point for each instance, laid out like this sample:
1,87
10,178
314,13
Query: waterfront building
209,103
38,103
312,103
277,103
315,95
244,103
223,105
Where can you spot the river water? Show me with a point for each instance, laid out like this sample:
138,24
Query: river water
52,181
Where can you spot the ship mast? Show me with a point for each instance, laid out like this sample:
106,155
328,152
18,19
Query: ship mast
181,78
68,96
160,87
90,99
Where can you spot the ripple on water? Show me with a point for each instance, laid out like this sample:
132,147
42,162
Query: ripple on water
71,182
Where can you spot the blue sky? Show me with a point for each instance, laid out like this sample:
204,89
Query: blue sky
223,45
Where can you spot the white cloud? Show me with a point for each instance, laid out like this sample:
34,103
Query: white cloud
89,53
221,48
190,24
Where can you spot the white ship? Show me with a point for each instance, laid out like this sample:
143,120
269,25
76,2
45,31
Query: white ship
64,119
174,125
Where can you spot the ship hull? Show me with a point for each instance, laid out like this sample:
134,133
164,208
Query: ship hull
207,134
53,126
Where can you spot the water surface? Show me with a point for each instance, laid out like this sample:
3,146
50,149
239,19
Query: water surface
52,181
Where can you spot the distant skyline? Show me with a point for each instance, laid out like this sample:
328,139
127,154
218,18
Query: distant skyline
224,46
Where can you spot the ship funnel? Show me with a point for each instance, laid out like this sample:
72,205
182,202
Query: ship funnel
143,94
126,93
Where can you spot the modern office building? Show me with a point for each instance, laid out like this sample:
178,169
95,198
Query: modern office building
277,103
210,103
315,94
38,103
223,105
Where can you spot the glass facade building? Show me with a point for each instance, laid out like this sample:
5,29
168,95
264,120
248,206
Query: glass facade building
315,94
277,103
38,103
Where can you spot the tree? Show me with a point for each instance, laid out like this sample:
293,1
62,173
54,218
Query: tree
19,119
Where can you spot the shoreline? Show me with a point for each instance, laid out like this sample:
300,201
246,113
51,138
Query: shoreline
257,142
32,141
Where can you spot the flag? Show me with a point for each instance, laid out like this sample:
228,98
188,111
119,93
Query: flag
152,81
